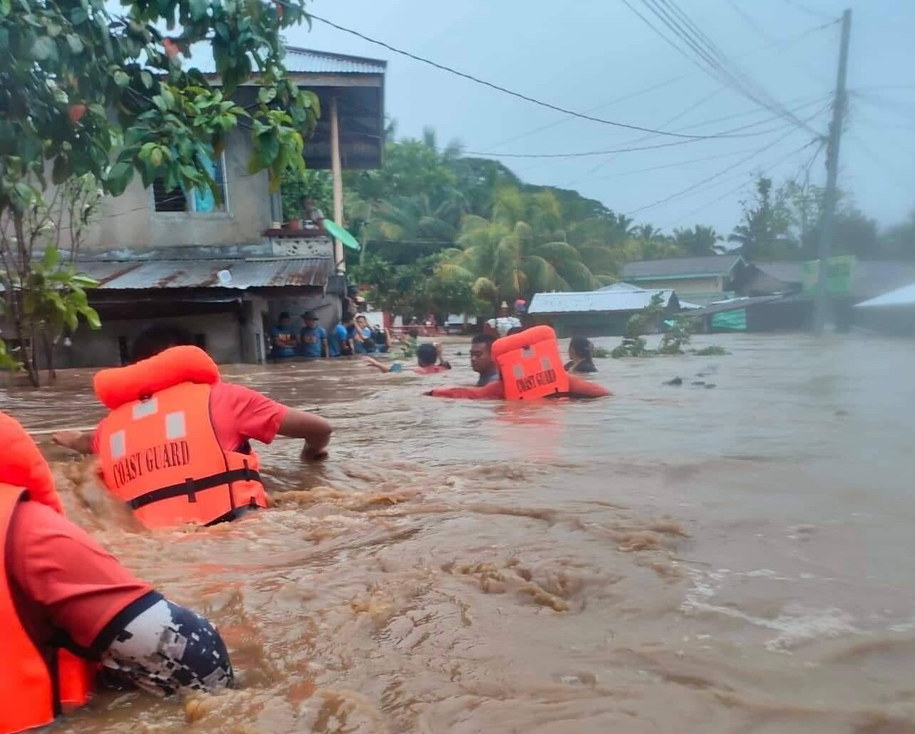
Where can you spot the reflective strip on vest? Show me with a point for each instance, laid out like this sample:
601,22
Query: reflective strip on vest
530,364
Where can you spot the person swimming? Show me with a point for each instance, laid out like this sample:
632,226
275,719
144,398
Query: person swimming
428,357
581,355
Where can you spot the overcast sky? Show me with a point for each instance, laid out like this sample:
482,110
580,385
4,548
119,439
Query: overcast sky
599,56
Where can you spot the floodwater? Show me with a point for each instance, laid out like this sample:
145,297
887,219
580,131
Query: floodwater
675,559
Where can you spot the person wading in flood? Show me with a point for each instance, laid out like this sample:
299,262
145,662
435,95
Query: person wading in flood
72,614
175,446
490,387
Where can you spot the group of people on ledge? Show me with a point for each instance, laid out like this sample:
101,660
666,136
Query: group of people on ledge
351,335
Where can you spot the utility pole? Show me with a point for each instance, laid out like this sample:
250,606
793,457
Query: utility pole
821,305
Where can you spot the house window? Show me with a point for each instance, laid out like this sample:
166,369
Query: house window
200,201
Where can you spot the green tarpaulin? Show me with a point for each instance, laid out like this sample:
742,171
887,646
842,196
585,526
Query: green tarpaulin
338,233
730,320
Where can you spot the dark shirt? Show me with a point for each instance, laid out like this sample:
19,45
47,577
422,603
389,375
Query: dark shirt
489,377
283,342
586,365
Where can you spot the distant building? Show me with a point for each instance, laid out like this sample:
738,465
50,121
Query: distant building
225,270
698,280
603,312
796,282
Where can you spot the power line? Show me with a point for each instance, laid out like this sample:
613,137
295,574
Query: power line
799,6
683,26
695,186
505,90
590,153
744,185
781,43
703,159
692,188
711,59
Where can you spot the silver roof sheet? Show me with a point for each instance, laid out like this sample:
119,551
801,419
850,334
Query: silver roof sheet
904,296
618,300
299,61
242,274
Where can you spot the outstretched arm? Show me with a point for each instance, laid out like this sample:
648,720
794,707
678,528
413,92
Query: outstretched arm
313,428
377,365
74,440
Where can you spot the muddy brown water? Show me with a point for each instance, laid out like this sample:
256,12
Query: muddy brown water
675,559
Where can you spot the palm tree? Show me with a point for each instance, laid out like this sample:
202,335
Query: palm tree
699,241
507,257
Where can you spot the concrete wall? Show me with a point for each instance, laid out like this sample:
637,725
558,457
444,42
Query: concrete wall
328,309
102,348
713,284
130,220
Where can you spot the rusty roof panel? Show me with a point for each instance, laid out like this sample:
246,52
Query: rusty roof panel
235,274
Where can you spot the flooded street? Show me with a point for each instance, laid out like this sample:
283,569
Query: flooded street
674,559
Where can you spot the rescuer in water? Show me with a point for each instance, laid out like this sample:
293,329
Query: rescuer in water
490,386
175,446
71,613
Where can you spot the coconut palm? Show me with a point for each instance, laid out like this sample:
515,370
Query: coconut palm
508,257
699,241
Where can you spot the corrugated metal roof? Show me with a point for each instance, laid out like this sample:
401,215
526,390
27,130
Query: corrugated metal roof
621,287
734,304
299,61
683,267
619,300
904,296
242,274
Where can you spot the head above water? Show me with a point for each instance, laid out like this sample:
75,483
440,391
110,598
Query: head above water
426,355
481,353
580,348
157,339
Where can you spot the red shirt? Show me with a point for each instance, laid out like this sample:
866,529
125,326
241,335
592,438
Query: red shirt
239,414
70,576
432,369
578,388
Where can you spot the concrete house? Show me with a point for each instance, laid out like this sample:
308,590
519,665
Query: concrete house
225,270
698,280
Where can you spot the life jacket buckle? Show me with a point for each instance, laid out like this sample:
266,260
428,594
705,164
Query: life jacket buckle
191,489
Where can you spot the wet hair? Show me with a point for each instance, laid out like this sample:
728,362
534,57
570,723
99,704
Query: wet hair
157,339
426,355
515,330
582,346
486,339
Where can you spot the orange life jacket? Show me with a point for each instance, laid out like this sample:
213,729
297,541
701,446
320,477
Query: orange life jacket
530,364
158,450
39,679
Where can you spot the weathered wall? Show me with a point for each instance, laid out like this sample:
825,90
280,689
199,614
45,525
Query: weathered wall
131,222
327,308
101,348
684,285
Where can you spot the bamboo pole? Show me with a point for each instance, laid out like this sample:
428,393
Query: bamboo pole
337,175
